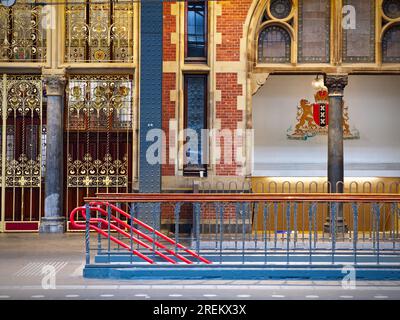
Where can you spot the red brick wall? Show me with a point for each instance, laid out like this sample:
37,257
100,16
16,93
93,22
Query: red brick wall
230,25
168,112
169,80
226,111
169,25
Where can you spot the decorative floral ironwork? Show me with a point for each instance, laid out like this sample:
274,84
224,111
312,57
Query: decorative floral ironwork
23,173
99,34
22,37
97,173
100,98
24,95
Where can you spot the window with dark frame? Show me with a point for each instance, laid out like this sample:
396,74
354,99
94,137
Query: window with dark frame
196,31
195,120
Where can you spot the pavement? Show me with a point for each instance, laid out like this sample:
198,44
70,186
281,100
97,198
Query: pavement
49,267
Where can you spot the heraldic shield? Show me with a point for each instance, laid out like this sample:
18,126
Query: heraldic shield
320,114
313,119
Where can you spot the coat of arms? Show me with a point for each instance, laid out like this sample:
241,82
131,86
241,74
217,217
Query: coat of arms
312,119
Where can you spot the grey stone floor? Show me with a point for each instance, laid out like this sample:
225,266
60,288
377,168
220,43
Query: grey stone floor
25,257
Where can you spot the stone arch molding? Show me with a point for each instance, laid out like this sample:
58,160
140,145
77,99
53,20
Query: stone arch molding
252,24
255,79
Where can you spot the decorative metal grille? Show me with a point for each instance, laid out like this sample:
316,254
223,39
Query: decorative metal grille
99,119
22,35
97,173
23,109
99,31
22,150
105,101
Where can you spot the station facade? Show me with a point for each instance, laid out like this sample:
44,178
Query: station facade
78,101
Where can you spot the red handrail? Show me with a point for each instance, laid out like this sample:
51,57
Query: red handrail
143,235
94,206
82,226
149,228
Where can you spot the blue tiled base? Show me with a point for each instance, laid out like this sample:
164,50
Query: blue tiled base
236,272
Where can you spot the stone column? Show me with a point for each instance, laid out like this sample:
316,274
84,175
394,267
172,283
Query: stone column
54,221
336,84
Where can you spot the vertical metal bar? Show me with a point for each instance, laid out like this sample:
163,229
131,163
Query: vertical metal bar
118,205
229,230
132,212
265,213
243,214
275,224
310,218
288,207
221,229
216,224
303,227
155,215
295,224
373,226
177,211
40,137
378,214
315,228
109,233
355,230
255,224
333,229
363,220
197,212
323,219
87,234
237,212
396,221
4,154
98,214
393,224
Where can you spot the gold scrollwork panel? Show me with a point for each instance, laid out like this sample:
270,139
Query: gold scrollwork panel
99,135
23,150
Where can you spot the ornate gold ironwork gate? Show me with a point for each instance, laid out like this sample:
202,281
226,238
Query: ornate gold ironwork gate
99,134
23,150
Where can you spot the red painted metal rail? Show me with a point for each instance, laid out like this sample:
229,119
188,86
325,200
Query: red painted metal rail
118,223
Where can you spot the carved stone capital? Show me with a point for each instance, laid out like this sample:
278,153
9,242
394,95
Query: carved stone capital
55,85
257,81
336,84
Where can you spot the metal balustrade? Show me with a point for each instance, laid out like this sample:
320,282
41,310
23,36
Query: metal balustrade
244,229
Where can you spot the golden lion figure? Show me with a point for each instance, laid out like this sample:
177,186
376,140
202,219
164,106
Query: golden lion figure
346,127
305,117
